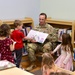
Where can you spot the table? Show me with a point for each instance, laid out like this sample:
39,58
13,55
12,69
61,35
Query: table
14,71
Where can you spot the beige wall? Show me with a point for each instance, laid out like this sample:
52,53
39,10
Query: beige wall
61,9
14,9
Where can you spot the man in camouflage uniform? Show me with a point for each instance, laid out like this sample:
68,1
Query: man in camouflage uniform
47,45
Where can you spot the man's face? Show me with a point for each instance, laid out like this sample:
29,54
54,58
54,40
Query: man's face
42,19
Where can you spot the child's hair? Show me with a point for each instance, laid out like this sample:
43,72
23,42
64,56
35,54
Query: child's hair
17,23
59,73
47,60
4,30
66,41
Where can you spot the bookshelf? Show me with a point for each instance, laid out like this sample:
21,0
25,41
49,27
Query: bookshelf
26,22
1,22
63,24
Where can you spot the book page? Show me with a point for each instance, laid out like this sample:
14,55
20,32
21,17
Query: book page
38,36
4,64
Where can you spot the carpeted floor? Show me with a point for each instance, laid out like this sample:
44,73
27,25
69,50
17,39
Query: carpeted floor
38,72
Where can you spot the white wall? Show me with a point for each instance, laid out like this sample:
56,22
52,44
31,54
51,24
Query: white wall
14,9
59,9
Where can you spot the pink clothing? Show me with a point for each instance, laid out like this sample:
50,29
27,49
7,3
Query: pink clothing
64,58
5,51
60,59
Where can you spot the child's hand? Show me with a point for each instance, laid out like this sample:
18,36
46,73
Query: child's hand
62,65
51,52
14,42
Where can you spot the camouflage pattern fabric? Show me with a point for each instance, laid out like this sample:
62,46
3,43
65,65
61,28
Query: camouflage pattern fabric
47,45
50,30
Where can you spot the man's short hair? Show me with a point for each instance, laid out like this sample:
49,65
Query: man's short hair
44,14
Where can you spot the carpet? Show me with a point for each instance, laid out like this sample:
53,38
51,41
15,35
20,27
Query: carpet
38,72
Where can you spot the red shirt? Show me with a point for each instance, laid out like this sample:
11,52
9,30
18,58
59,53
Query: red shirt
17,36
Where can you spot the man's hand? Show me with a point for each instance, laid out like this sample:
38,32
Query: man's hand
32,40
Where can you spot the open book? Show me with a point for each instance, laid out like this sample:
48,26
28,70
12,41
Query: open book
4,64
38,36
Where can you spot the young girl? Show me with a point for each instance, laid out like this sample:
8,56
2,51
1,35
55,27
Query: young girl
48,65
65,59
6,44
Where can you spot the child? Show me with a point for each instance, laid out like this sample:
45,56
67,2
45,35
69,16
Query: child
48,65
65,59
6,44
17,35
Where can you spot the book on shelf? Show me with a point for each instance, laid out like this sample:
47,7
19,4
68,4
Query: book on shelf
60,32
69,31
27,29
23,30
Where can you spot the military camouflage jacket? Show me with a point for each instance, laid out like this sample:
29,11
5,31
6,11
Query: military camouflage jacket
47,28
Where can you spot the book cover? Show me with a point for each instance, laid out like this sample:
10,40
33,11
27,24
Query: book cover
38,36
